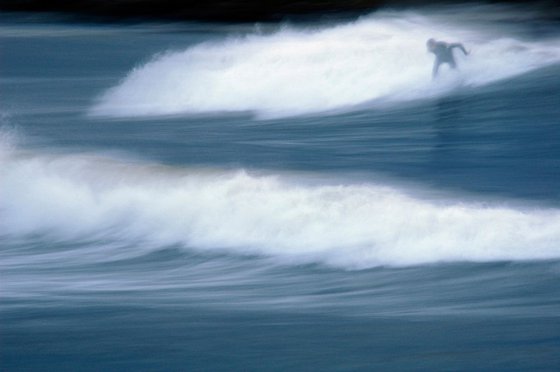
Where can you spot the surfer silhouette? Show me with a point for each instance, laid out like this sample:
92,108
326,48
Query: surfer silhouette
444,54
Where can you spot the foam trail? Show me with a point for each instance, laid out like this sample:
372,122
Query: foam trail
378,59
147,206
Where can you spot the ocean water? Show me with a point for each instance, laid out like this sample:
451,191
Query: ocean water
291,196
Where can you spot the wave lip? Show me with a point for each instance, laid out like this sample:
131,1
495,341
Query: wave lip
376,60
286,218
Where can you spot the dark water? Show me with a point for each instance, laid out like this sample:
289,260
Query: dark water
280,197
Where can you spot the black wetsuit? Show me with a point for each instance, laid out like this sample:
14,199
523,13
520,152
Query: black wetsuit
444,54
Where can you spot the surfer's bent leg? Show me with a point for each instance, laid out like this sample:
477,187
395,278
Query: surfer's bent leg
435,68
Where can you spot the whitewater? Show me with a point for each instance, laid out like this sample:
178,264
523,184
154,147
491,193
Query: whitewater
375,61
289,217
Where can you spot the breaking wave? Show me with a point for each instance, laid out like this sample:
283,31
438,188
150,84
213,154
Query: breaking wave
379,59
288,218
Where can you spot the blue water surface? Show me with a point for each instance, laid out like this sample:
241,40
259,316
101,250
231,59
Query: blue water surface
147,287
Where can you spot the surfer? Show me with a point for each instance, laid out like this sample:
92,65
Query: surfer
444,54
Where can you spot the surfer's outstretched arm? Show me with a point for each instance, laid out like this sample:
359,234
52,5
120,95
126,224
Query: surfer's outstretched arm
460,46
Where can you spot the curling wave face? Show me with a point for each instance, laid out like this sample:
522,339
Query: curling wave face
288,218
379,59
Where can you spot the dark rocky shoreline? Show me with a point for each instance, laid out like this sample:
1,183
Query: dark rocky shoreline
216,10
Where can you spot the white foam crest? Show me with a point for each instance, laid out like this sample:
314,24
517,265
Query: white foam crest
345,225
378,59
